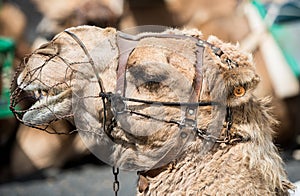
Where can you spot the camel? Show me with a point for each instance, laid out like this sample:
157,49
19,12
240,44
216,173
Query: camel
175,107
59,15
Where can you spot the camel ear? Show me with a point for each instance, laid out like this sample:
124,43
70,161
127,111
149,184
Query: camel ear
214,40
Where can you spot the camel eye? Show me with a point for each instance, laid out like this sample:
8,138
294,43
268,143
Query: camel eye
152,85
239,91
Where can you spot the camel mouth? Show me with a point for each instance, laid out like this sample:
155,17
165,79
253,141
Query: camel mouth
41,94
47,105
47,97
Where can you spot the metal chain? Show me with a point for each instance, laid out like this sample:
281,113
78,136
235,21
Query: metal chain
207,136
116,184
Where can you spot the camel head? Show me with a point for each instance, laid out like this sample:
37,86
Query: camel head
147,114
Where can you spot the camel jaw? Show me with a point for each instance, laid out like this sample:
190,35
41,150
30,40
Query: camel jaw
50,104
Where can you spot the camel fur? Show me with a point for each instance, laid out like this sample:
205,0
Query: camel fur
161,69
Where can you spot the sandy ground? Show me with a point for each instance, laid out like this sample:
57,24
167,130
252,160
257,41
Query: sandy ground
84,180
91,179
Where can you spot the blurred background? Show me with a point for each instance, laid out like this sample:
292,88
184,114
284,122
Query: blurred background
33,162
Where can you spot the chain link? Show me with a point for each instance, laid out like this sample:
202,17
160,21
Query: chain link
116,184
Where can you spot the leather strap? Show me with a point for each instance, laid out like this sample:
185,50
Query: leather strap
126,46
191,111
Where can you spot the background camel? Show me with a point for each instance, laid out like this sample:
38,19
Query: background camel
186,161
59,15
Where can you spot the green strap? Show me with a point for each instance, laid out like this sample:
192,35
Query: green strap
280,32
